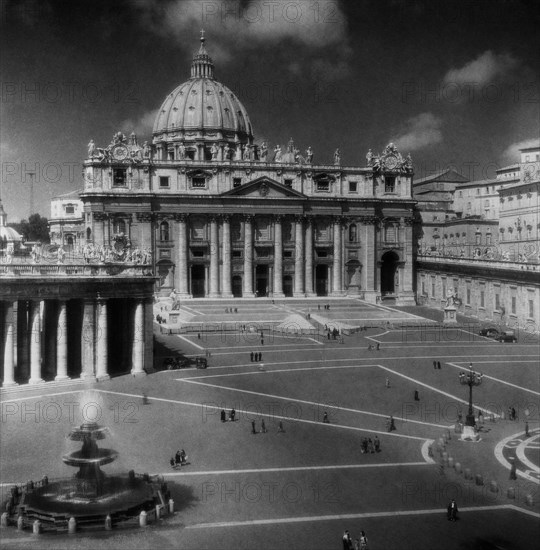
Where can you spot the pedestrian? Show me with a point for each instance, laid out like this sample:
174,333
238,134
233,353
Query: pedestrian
513,470
232,414
416,397
387,382
319,307
281,430
377,444
439,365
325,418
262,341
363,540
263,426
253,430
513,413
172,463
145,399
371,447
260,356
378,346
369,347
328,335
390,425
435,364
527,429
223,415
452,511
346,541
177,458
251,355
198,336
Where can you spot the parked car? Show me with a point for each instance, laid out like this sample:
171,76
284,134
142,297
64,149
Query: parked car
507,336
489,332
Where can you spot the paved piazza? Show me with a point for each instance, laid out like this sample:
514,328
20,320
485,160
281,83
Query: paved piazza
303,486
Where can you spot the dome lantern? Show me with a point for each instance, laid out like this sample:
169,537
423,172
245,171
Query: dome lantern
202,65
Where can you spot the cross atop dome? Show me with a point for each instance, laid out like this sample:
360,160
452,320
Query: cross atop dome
202,65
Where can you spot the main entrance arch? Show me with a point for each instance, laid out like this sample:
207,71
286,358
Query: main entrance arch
389,267
321,280
198,281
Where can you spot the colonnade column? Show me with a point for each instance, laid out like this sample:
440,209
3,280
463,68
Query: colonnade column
309,258
407,281
88,340
182,261
248,258
138,340
278,258
369,256
102,372
227,267
9,363
61,342
35,343
214,259
337,274
299,258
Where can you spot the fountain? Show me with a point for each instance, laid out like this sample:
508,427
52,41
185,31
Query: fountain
90,496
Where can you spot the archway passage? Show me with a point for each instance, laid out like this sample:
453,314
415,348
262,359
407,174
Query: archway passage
389,266
321,280
198,281
237,286
261,280
288,286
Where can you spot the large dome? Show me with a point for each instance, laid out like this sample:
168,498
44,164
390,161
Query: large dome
202,109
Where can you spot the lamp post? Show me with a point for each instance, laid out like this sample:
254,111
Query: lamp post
470,379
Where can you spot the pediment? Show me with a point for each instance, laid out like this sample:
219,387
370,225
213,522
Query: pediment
264,187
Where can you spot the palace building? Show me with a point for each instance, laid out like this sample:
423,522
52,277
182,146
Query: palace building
225,216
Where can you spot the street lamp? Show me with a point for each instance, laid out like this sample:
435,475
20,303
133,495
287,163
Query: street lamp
470,379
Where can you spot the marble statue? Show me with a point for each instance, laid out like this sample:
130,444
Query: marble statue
309,155
337,157
91,148
277,150
146,150
369,158
182,151
264,151
214,150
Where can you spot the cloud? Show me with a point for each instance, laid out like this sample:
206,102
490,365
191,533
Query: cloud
142,125
235,24
421,131
512,151
485,69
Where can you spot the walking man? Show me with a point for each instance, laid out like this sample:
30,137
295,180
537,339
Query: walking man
435,364
387,382
251,355
325,418
416,397
263,426
253,430
439,365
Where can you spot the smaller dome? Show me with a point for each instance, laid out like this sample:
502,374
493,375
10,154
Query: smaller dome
7,234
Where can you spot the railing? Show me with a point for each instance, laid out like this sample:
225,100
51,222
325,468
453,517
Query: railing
75,270
479,262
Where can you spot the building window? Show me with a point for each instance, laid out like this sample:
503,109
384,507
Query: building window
468,296
164,231
389,184
433,287
70,209
497,302
352,233
164,181
353,187
488,239
288,182
287,254
119,177
237,182
119,226
237,254
531,309
478,237
198,182
323,185
482,297
197,253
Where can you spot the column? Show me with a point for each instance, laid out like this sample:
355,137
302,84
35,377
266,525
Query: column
35,343
23,340
309,258
138,340
9,364
369,254
102,372
298,258
337,272
182,259
61,342
214,259
278,258
227,267
88,340
248,258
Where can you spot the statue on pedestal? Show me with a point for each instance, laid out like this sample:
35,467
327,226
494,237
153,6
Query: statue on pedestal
264,151
91,149
146,150
214,150
182,151
309,155
226,152
337,157
369,158
277,150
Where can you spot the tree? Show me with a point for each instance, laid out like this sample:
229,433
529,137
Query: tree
35,229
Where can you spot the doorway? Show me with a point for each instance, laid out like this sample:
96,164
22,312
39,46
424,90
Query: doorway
261,280
321,280
198,281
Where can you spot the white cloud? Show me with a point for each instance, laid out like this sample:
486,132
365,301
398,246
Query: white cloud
483,70
141,126
512,152
421,131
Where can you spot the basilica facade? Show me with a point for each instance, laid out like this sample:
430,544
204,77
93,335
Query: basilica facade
224,216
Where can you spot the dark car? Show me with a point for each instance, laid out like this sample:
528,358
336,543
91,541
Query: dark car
489,332
508,336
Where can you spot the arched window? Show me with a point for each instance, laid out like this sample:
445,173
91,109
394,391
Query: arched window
352,233
164,231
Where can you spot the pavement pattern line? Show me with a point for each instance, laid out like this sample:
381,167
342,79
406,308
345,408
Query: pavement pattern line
274,416
498,451
496,379
179,336
294,469
303,401
362,515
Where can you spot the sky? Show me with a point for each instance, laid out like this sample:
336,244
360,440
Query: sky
453,83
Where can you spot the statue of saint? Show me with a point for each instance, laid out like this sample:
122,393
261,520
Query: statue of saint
264,151
182,151
91,148
60,253
337,157
309,155
146,150
277,150
369,158
226,152
214,150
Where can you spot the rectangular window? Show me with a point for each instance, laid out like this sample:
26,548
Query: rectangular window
164,181
198,253
468,296
389,184
353,187
497,302
198,182
514,305
482,297
70,209
323,185
322,253
287,253
433,287
444,289
119,177
237,182
237,254
531,309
